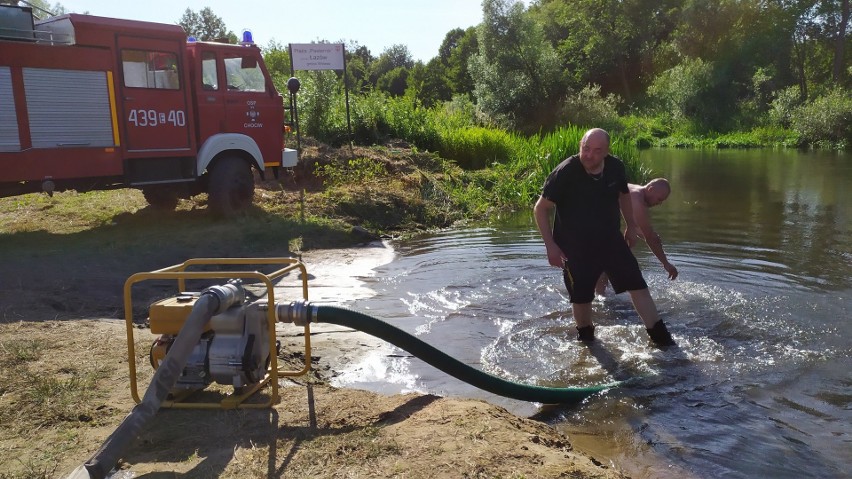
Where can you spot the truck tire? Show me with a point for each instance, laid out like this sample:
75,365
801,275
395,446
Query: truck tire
161,197
231,186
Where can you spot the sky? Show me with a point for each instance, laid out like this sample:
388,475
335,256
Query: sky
421,25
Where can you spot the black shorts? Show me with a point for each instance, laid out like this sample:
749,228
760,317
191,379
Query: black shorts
585,265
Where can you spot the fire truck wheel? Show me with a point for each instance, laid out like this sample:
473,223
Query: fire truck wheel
231,186
160,197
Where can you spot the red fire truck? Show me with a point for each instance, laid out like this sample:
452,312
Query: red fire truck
88,103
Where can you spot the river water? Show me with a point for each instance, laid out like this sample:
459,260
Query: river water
760,384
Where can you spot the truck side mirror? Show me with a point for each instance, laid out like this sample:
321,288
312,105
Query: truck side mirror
248,63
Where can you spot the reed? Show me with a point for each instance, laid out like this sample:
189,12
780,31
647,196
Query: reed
475,147
517,166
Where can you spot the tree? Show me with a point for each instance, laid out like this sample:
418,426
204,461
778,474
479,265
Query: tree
744,40
607,42
804,35
820,41
206,26
394,82
454,54
833,17
516,71
394,63
358,61
394,56
41,8
840,42
277,59
429,82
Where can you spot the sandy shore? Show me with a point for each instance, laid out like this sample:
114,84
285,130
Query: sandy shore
316,430
338,277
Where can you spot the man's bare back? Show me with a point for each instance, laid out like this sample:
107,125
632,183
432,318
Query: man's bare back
643,198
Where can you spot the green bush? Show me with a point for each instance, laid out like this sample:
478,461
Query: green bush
681,94
409,120
735,140
775,136
826,121
319,103
783,105
516,184
645,131
369,123
460,112
591,109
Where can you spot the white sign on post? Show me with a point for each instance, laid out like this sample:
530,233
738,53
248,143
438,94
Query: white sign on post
317,56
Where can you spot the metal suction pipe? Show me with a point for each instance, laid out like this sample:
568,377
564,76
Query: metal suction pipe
299,313
227,294
212,301
302,312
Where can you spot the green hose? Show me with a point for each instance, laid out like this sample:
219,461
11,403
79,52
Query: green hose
448,364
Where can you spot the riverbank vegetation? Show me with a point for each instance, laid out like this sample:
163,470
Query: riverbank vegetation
670,73
508,99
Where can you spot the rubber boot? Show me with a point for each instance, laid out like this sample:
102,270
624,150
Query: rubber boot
586,333
660,334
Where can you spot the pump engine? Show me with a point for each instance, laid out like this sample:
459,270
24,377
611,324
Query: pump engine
234,349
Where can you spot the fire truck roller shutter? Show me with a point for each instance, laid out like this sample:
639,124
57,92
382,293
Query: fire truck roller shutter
68,108
9,140
224,142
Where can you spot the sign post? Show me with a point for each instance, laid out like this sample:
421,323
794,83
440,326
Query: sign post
322,56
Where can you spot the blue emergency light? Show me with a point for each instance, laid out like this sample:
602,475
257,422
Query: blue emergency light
247,38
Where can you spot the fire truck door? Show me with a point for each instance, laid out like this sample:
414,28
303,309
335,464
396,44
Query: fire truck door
153,95
209,97
252,107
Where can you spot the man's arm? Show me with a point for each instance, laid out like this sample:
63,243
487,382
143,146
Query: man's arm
542,212
626,205
643,222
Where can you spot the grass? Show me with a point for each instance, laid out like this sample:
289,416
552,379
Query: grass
32,470
764,137
15,353
46,398
66,212
477,147
383,190
61,382
121,220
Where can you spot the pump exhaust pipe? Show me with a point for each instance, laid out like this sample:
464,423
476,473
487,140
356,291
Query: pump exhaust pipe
213,301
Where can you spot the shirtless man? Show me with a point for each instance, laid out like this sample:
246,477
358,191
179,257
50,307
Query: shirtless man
642,199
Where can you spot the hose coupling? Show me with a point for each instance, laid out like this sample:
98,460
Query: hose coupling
299,312
227,294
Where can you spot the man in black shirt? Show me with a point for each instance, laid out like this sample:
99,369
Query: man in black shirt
590,195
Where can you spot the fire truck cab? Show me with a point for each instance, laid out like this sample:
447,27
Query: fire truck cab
89,102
